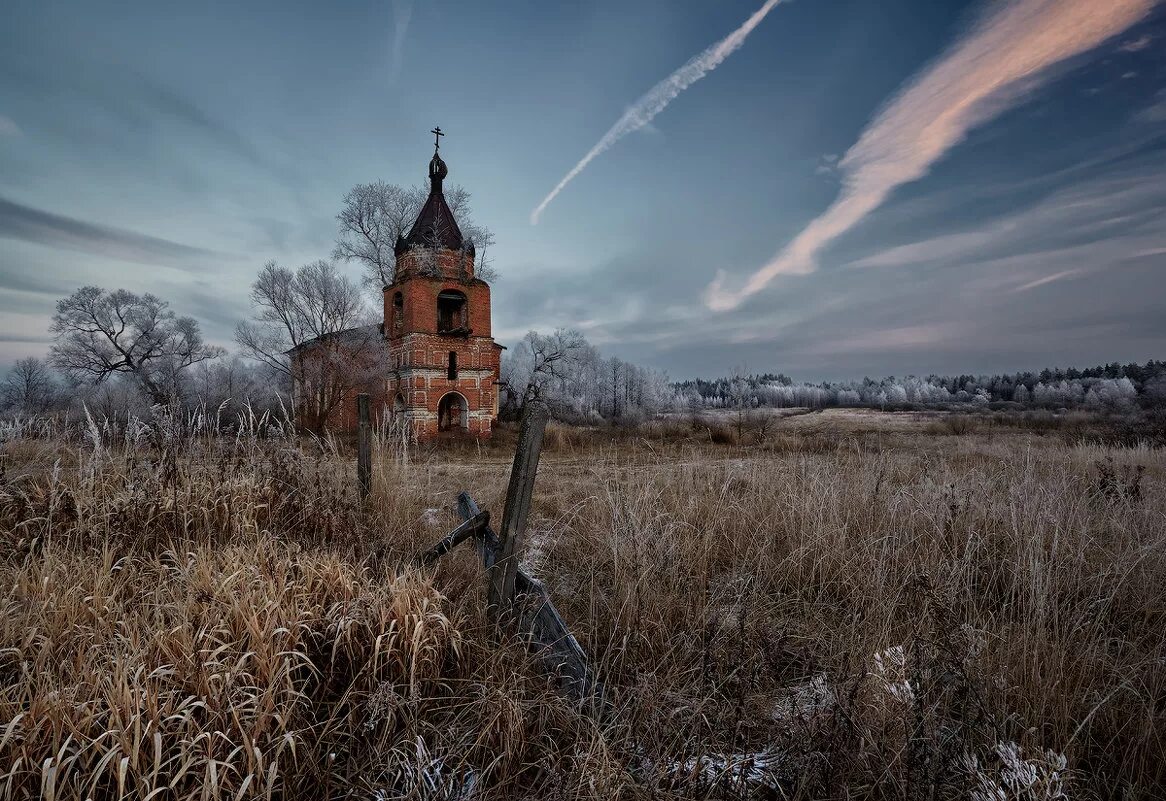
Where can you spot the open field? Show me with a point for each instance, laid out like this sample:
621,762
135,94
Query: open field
853,605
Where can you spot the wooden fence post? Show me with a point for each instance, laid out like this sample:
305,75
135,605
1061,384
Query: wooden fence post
518,496
363,446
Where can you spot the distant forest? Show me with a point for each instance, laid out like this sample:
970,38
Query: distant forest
1111,386
584,386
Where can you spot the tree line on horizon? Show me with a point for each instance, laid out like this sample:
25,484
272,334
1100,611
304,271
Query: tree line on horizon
1109,386
563,368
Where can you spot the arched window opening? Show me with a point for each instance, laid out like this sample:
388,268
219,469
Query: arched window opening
451,370
398,312
451,312
398,406
453,413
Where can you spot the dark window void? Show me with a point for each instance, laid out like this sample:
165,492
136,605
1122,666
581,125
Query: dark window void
398,312
451,312
451,371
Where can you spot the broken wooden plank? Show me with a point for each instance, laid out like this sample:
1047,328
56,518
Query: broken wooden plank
487,540
518,497
556,644
539,617
471,526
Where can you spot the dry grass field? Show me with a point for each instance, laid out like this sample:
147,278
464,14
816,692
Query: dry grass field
853,605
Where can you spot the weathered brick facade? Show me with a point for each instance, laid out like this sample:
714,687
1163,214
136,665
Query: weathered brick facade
439,367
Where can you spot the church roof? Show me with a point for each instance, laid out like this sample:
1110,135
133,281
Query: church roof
435,226
358,336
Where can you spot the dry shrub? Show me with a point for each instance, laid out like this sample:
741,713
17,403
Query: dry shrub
955,425
837,612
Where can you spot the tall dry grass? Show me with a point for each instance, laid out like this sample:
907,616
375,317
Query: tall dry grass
853,608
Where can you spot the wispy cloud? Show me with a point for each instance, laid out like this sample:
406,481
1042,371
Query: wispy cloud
1002,59
1156,111
169,103
929,250
900,338
1134,45
659,96
402,15
8,126
27,224
139,103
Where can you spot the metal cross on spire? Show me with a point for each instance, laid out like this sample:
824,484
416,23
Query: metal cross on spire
437,134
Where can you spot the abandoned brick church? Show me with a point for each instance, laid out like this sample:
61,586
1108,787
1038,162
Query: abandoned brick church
432,364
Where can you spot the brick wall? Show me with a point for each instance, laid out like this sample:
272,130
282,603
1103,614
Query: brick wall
419,304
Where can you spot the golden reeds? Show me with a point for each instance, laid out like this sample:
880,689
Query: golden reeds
844,608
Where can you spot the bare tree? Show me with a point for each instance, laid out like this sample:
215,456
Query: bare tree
376,214
312,326
100,334
540,364
481,237
373,217
29,387
228,387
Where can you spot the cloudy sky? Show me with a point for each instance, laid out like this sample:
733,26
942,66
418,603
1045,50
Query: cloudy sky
828,188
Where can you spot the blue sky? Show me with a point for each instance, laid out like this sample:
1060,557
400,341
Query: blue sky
176,147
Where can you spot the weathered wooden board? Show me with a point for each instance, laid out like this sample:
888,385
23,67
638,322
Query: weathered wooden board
518,497
538,616
363,446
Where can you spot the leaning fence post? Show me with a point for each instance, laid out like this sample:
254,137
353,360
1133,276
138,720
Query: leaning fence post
363,446
518,496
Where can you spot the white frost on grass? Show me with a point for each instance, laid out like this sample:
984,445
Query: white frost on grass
805,702
740,772
535,554
429,778
1008,775
890,671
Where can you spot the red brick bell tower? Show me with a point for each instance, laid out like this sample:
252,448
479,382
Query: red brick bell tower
444,363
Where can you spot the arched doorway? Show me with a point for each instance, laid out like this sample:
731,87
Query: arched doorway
453,413
398,406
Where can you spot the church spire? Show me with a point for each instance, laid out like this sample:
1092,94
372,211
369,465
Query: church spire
437,168
435,227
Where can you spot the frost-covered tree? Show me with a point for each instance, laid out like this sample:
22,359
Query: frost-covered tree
29,387
539,366
579,384
100,334
374,215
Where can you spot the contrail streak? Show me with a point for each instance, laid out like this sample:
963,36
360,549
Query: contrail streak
660,95
1001,60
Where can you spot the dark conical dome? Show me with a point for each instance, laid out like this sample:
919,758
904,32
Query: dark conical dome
435,226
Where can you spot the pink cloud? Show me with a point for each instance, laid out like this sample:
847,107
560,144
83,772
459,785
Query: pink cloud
1002,59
